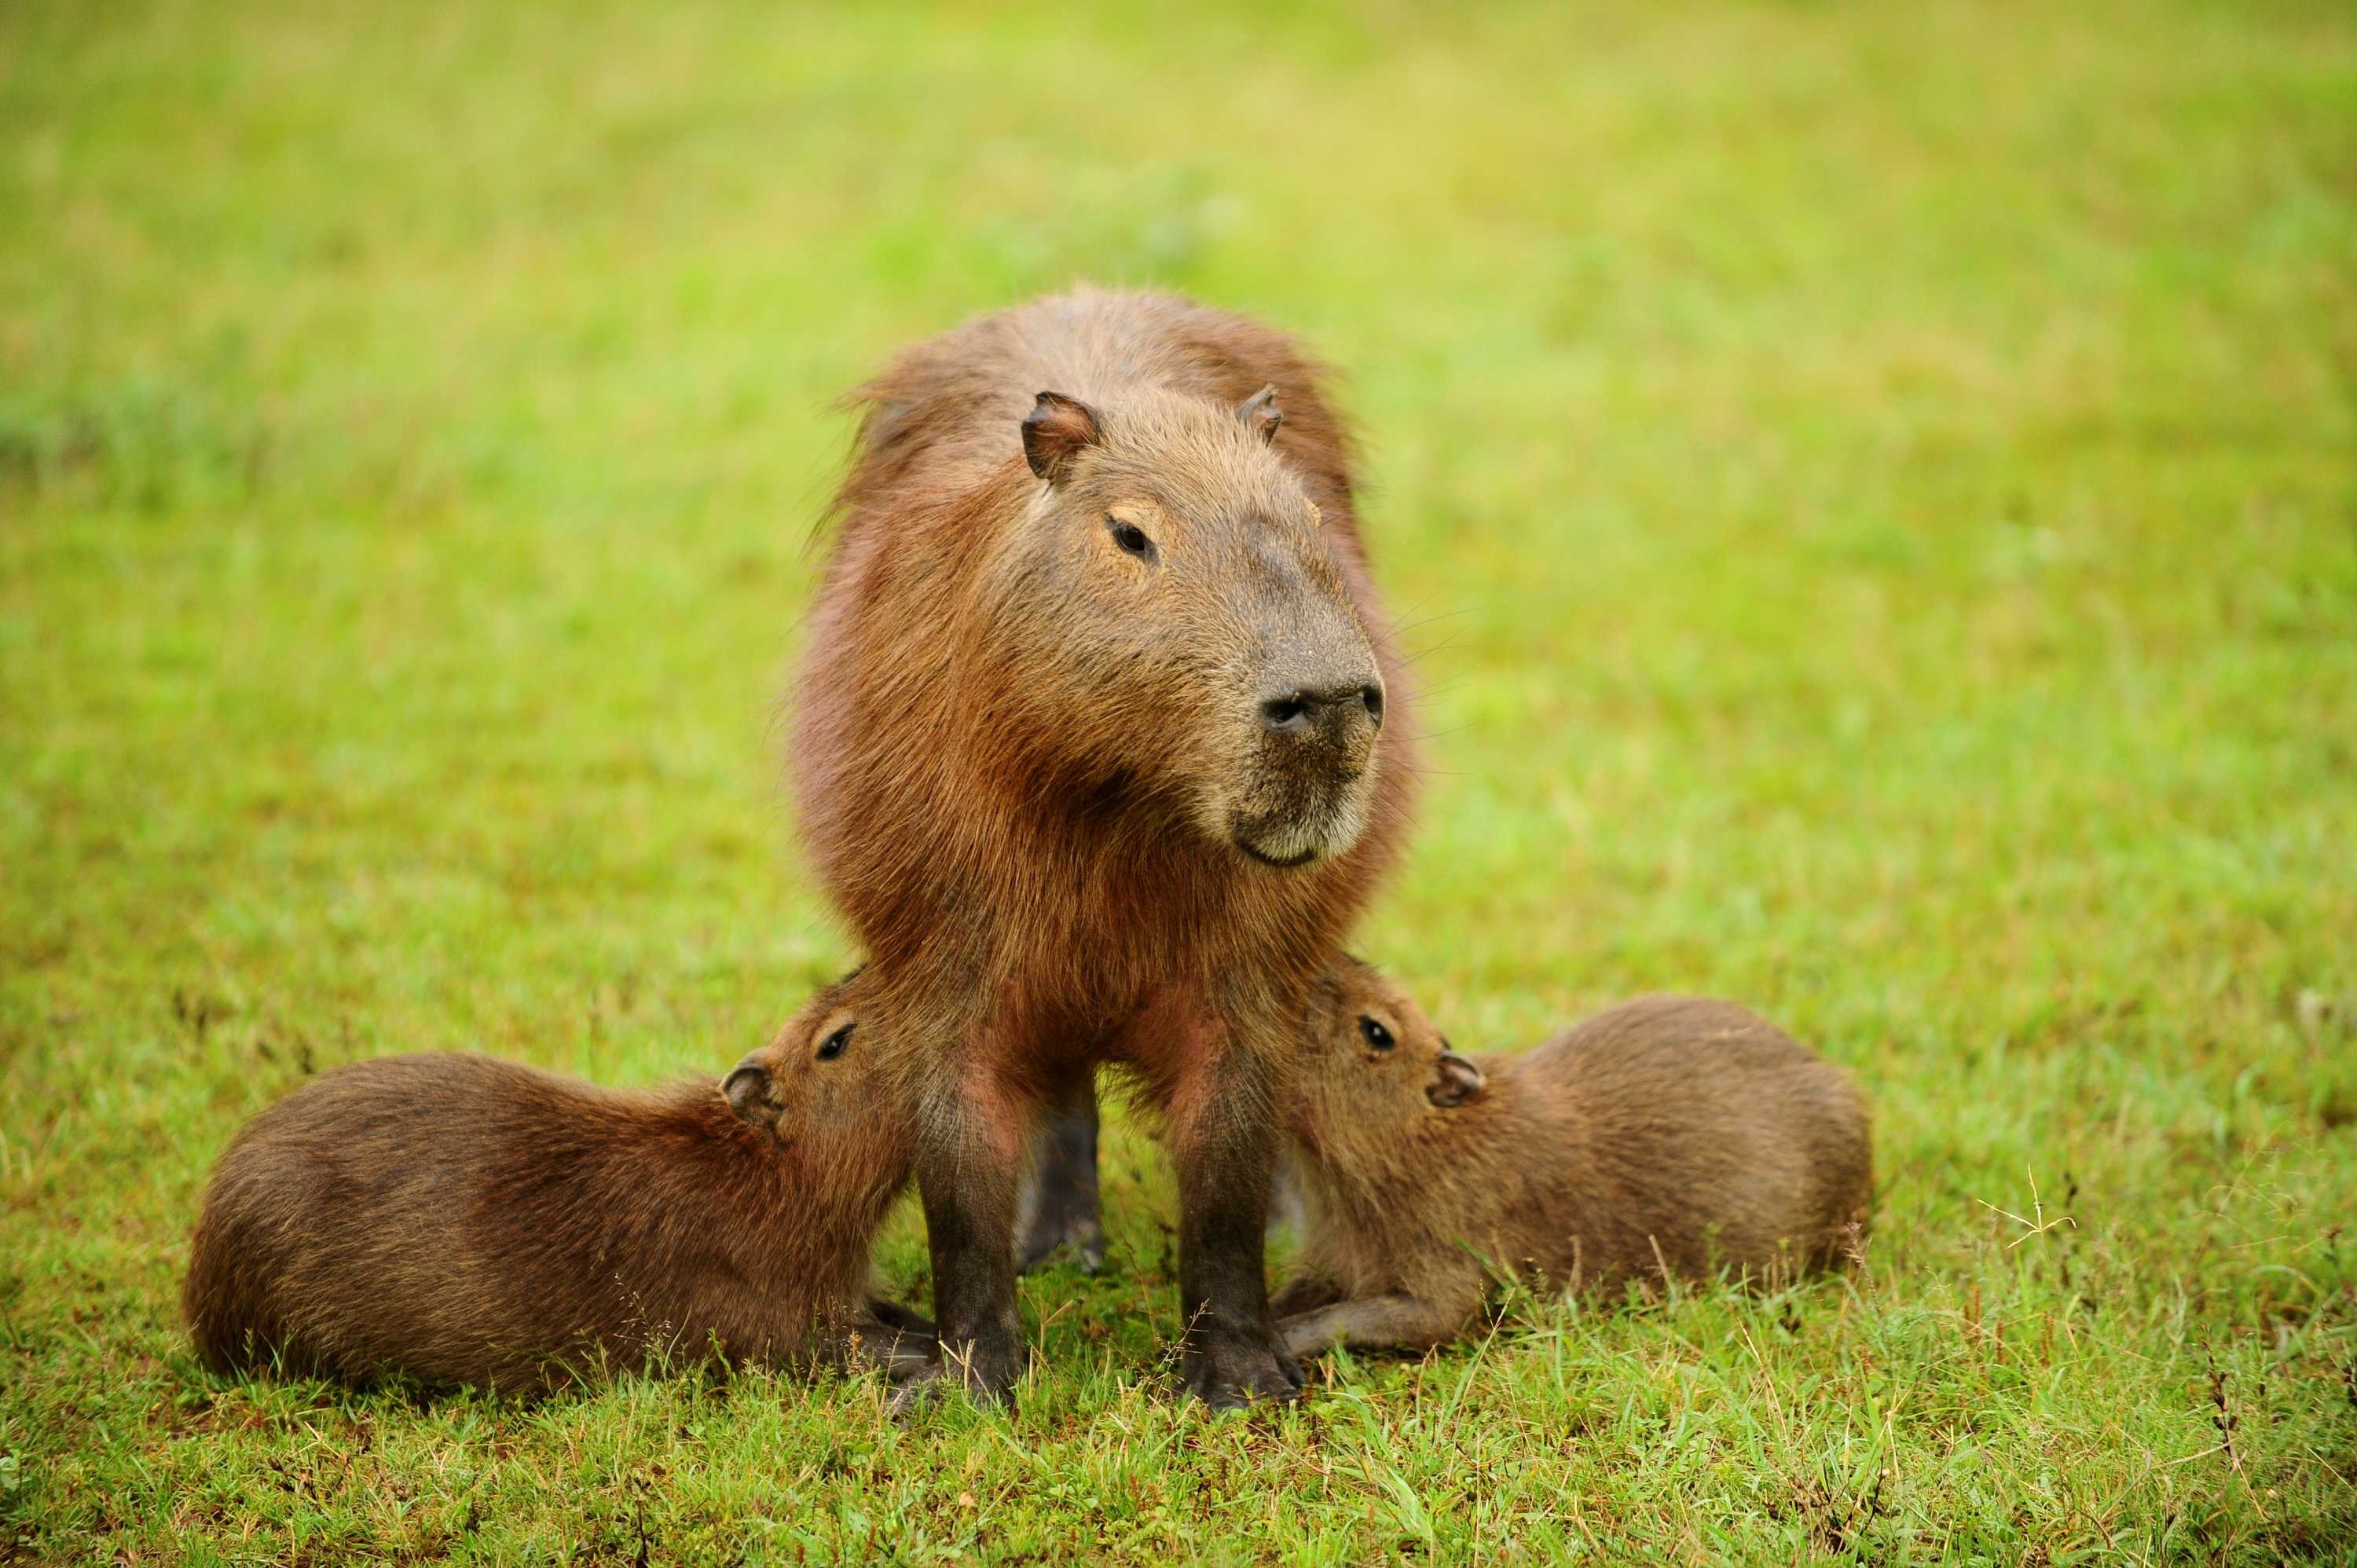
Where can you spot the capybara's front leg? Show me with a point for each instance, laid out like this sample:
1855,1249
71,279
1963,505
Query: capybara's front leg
1226,1146
968,1148
1372,1323
1060,1209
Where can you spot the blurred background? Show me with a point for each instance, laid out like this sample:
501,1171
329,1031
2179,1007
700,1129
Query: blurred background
1871,490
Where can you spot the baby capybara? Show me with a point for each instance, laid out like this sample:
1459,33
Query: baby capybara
464,1220
1101,746
1672,1133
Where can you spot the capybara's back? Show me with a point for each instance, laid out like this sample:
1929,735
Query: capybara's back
334,1193
1712,1140
464,1221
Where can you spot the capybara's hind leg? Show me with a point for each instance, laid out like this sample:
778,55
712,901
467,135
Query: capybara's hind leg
1059,1210
1303,1293
1226,1144
1371,1323
899,1342
892,1314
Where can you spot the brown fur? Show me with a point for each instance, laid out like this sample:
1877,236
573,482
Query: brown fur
1035,771
465,1220
1672,1133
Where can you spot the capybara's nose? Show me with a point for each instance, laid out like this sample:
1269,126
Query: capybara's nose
1331,711
752,1093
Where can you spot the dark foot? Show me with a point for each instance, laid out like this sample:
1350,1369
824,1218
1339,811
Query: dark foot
902,1357
895,1340
1076,1238
1236,1376
914,1393
889,1338
944,1374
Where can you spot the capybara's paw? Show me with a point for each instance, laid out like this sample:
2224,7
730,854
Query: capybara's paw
914,1391
945,1373
1306,1335
893,1339
1237,1377
901,1357
1076,1238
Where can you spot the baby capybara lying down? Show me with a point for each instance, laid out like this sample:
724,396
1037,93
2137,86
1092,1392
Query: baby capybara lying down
1672,1133
464,1220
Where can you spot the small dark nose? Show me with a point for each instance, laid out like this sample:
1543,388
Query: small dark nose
1303,710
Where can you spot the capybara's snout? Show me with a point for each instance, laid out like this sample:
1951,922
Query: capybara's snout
1308,780
1341,717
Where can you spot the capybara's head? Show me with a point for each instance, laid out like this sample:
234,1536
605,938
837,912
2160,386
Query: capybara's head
821,1086
1374,1072
1170,596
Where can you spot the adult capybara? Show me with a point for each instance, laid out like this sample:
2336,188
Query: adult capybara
464,1221
1672,1135
1100,747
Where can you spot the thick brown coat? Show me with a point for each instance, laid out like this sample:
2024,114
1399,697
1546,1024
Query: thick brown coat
1671,1134
1101,746
465,1220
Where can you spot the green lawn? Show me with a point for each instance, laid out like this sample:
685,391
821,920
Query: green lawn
1874,489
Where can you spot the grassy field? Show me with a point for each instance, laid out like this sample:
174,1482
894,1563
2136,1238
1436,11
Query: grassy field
1875,491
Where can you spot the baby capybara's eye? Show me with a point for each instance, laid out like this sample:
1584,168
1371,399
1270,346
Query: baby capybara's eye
1375,1033
836,1043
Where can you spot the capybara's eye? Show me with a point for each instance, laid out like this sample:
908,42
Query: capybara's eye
1376,1035
834,1044
1131,538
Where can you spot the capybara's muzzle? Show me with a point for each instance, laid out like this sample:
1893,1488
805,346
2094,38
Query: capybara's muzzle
1343,719
1307,793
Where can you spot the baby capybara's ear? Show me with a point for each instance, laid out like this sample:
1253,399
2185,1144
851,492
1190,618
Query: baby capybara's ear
1461,1081
752,1092
1260,414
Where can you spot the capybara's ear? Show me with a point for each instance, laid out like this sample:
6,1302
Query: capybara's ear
752,1092
1260,414
1460,1081
1054,431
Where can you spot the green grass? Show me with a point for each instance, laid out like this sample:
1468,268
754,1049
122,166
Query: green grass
1875,493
